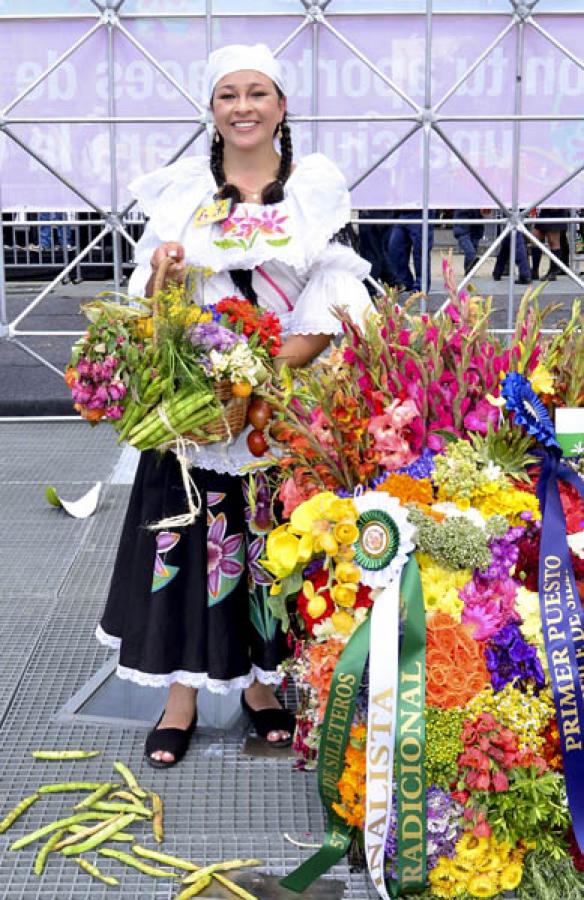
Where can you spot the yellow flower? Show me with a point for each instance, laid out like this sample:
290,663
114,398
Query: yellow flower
285,551
511,876
463,503
440,586
472,847
541,380
443,880
348,572
344,594
346,532
144,326
345,553
316,605
483,886
343,622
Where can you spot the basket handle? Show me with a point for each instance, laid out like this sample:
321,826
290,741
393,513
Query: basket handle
161,273
158,285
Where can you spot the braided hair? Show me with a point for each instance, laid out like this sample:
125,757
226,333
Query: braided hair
272,192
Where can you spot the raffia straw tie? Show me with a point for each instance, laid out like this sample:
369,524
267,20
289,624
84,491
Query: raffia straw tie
180,445
302,844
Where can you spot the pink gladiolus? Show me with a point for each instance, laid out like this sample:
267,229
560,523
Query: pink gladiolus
478,419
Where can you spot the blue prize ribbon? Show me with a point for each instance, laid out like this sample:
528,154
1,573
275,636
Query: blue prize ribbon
563,628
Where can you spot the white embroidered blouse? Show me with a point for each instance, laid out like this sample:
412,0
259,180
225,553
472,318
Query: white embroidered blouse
297,272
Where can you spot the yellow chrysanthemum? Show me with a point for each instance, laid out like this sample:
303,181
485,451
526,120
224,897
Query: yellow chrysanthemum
493,500
483,886
511,876
440,586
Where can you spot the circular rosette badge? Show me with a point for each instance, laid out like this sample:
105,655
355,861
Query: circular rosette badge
385,538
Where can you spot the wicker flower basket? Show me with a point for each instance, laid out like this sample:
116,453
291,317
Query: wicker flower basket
234,409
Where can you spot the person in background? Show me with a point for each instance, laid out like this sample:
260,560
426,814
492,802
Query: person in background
64,233
404,239
373,240
468,236
550,233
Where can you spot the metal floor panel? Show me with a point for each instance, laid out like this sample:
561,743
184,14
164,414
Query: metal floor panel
47,452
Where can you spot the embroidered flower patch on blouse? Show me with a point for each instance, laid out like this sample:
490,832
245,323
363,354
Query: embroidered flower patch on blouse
242,229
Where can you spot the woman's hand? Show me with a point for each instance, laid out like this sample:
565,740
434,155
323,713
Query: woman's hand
300,349
176,272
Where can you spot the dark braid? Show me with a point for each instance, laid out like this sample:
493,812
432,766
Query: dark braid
272,193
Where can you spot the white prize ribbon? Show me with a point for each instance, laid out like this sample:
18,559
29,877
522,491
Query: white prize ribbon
382,551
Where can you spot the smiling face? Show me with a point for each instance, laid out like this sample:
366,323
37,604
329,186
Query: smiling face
247,109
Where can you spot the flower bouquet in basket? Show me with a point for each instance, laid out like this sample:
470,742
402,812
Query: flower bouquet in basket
439,673
170,368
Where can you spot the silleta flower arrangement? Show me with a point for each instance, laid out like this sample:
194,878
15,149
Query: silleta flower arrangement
166,367
425,444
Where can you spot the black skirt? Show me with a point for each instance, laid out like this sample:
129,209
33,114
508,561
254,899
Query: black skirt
190,605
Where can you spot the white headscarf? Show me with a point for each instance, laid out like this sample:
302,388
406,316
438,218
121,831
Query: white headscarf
234,58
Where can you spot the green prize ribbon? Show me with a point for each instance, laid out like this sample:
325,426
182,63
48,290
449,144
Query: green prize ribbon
331,759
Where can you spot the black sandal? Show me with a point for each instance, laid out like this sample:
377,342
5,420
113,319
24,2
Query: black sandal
169,740
266,720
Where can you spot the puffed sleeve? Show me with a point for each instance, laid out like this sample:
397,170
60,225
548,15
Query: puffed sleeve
142,255
334,279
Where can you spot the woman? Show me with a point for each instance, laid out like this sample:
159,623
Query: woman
274,247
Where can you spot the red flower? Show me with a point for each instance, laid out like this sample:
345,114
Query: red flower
318,579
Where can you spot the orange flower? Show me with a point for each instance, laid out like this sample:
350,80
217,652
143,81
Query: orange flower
408,489
352,782
456,667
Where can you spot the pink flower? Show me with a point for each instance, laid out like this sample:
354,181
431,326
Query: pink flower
114,412
117,390
291,496
482,829
222,554
500,781
320,426
478,419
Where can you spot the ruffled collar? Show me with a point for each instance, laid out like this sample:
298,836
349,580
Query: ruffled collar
294,231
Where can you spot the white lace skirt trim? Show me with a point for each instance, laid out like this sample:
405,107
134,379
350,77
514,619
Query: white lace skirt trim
108,640
190,679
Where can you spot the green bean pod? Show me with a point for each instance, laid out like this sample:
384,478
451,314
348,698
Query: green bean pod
48,847
64,754
137,863
97,795
125,795
157,818
18,810
130,779
81,835
118,823
139,810
221,867
93,870
123,837
234,888
193,889
164,858
47,829
69,786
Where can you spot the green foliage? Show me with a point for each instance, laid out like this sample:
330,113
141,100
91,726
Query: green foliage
508,447
454,543
545,878
533,809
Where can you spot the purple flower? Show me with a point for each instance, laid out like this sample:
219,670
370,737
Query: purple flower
84,367
117,390
221,554
211,336
81,393
114,412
